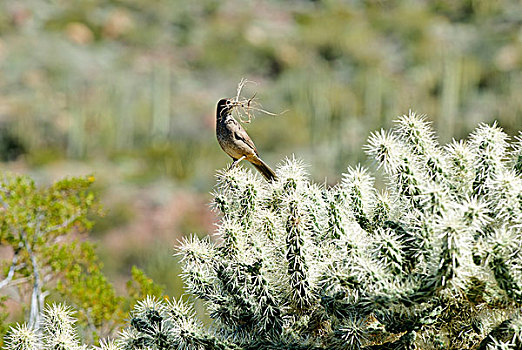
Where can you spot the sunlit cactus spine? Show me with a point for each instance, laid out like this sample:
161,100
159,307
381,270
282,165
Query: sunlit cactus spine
431,261
22,337
56,332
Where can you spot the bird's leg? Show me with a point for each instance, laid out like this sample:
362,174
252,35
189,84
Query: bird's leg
236,162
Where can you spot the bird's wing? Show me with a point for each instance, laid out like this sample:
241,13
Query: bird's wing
241,134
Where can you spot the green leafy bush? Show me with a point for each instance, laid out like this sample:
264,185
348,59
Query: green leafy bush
431,262
44,227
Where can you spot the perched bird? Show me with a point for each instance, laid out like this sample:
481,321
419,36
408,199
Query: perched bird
235,141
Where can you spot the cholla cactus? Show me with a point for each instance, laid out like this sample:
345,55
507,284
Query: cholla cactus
56,332
433,261
22,337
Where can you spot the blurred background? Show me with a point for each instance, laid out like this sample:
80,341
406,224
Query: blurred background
126,90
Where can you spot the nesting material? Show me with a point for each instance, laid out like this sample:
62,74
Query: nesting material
244,108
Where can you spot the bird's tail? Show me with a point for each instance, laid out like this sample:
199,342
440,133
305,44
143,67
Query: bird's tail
265,170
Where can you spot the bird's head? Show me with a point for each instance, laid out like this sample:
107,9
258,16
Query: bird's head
224,107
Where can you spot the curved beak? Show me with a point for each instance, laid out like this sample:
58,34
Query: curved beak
223,107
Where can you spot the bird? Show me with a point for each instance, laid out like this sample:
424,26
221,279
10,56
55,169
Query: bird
235,141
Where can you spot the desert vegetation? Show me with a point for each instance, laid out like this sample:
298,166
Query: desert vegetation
108,155
432,261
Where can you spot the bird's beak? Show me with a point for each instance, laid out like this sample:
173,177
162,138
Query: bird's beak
224,108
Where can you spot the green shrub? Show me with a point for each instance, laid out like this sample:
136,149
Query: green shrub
45,229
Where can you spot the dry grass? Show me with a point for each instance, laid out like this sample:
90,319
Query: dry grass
244,108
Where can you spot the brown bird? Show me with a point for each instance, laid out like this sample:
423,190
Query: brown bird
235,141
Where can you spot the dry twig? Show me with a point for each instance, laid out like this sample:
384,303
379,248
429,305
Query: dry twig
245,107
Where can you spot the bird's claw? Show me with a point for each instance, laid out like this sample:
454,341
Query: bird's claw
235,162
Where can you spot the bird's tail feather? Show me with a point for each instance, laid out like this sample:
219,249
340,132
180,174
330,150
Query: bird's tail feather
265,170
